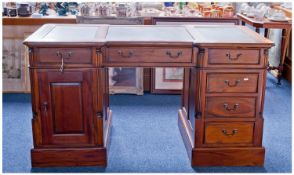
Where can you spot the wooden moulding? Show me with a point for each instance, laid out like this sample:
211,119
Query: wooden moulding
107,129
37,21
245,156
185,131
69,157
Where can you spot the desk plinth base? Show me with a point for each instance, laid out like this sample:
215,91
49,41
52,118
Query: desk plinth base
251,156
69,157
226,156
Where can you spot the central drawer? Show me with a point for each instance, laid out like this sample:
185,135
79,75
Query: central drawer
229,133
149,55
230,106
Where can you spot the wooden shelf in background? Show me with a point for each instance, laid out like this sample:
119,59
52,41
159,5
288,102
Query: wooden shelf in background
38,21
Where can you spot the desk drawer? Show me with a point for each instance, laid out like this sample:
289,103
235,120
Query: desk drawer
226,57
230,106
232,82
229,133
149,55
70,56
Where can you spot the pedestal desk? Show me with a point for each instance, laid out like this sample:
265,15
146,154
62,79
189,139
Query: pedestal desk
221,119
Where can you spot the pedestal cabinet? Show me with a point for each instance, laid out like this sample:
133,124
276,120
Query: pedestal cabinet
71,115
67,124
228,116
68,116
67,106
222,116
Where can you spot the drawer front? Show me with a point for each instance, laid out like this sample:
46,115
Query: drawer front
230,106
70,56
229,133
231,82
149,55
234,57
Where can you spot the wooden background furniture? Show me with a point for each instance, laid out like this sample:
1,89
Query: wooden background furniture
71,19
221,118
15,57
287,67
15,61
110,20
267,24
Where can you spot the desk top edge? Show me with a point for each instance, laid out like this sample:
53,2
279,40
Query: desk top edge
99,39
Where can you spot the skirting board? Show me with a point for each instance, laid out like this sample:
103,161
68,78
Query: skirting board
185,132
247,156
69,157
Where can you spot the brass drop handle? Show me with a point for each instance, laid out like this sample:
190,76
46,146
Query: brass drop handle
59,54
233,58
45,105
61,66
62,56
226,106
227,82
129,55
178,54
225,132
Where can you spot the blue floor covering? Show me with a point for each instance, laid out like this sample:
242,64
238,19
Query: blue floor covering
145,136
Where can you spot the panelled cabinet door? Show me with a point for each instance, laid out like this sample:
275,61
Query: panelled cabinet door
66,107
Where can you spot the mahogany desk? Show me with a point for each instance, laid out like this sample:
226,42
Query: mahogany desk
267,24
221,118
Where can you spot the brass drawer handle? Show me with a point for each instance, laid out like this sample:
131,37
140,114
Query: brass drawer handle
226,106
233,58
227,82
129,55
178,54
64,55
225,132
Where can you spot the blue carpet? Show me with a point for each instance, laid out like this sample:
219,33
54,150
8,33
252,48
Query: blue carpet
145,136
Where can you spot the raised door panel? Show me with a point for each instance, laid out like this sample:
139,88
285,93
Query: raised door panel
66,107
